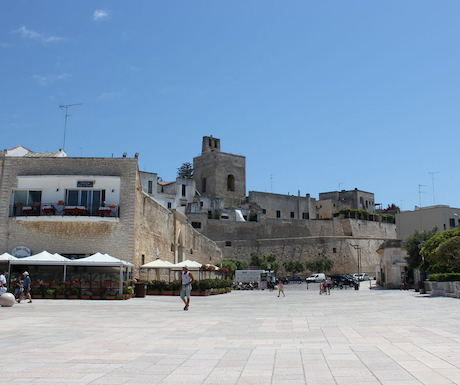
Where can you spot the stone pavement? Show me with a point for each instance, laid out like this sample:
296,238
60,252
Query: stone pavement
245,337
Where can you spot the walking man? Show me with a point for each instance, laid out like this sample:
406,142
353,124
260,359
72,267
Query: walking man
186,287
26,285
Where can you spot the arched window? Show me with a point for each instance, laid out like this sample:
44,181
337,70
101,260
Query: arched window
230,183
203,185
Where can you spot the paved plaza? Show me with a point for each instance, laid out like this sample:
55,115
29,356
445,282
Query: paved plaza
245,337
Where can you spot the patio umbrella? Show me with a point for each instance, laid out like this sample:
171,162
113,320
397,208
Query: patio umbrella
192,265
157,265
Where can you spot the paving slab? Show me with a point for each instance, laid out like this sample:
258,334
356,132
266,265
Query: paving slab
244,337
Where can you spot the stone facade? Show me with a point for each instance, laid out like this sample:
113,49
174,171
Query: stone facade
303,240
143,230
220,174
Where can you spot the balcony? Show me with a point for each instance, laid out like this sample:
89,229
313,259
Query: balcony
60,210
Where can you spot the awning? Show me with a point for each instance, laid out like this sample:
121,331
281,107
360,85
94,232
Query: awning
192,265
43,258
7,257
158,264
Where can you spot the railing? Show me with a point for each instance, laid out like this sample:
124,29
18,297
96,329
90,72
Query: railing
59,209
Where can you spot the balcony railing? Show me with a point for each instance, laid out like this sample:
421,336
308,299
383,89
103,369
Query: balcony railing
59,209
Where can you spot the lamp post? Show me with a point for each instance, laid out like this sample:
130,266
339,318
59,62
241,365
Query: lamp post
358,249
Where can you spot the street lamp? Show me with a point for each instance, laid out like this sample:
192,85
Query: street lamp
358,249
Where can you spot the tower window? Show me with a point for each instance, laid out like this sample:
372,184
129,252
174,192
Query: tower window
292,214
184,190
230,183
203,185
278,214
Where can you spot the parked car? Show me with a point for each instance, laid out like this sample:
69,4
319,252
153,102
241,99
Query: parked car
343,279
318,277
283,280
362,277
296,279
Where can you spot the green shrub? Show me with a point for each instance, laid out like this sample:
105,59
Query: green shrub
444,277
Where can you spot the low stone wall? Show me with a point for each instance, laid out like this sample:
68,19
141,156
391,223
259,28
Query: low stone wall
443,289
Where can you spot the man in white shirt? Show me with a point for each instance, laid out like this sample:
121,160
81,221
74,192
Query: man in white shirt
186,286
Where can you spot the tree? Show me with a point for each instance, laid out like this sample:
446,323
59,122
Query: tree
413,244
320,265
234,264
294,266
185,171
442,252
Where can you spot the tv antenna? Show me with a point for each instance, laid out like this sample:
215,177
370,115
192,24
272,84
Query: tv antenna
67,106
432,182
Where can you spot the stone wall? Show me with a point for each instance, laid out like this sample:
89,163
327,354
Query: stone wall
304,240
70,235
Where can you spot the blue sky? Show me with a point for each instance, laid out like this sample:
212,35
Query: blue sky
316,94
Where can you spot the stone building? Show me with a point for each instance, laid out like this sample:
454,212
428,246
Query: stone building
442,217
79,206
334,201
219,174
292,227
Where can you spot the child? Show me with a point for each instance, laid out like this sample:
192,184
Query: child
323,287
280,289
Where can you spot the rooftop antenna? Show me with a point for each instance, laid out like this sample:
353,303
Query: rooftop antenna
271,183
432,182
67,106
420,203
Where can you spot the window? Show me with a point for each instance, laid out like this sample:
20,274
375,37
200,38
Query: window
305,215
184,190
27,198
196,225
203,185
228,244
452,222
143,259
334,250
278,214
91,199
264,211
230,183
292,214
201,203
169,205
150,188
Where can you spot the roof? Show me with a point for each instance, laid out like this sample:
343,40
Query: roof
165,183
21,151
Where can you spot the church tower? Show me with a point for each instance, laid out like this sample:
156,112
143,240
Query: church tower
218,174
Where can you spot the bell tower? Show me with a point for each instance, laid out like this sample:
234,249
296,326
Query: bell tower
219,174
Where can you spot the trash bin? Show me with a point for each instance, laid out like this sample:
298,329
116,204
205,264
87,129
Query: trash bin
140,289
356,286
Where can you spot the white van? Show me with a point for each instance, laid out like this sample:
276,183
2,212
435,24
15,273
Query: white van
318,277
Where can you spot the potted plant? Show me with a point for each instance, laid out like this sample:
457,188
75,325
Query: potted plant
111,294
195,288
168,289
73,292
85,294
98,293
50,293
36,292
60,292
155,287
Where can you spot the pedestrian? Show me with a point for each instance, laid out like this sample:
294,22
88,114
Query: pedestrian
26,286
329,284
18,289
281,289
186,286
3,284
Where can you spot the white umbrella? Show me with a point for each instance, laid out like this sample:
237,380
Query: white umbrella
44,256
7,257
157,264
192,265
